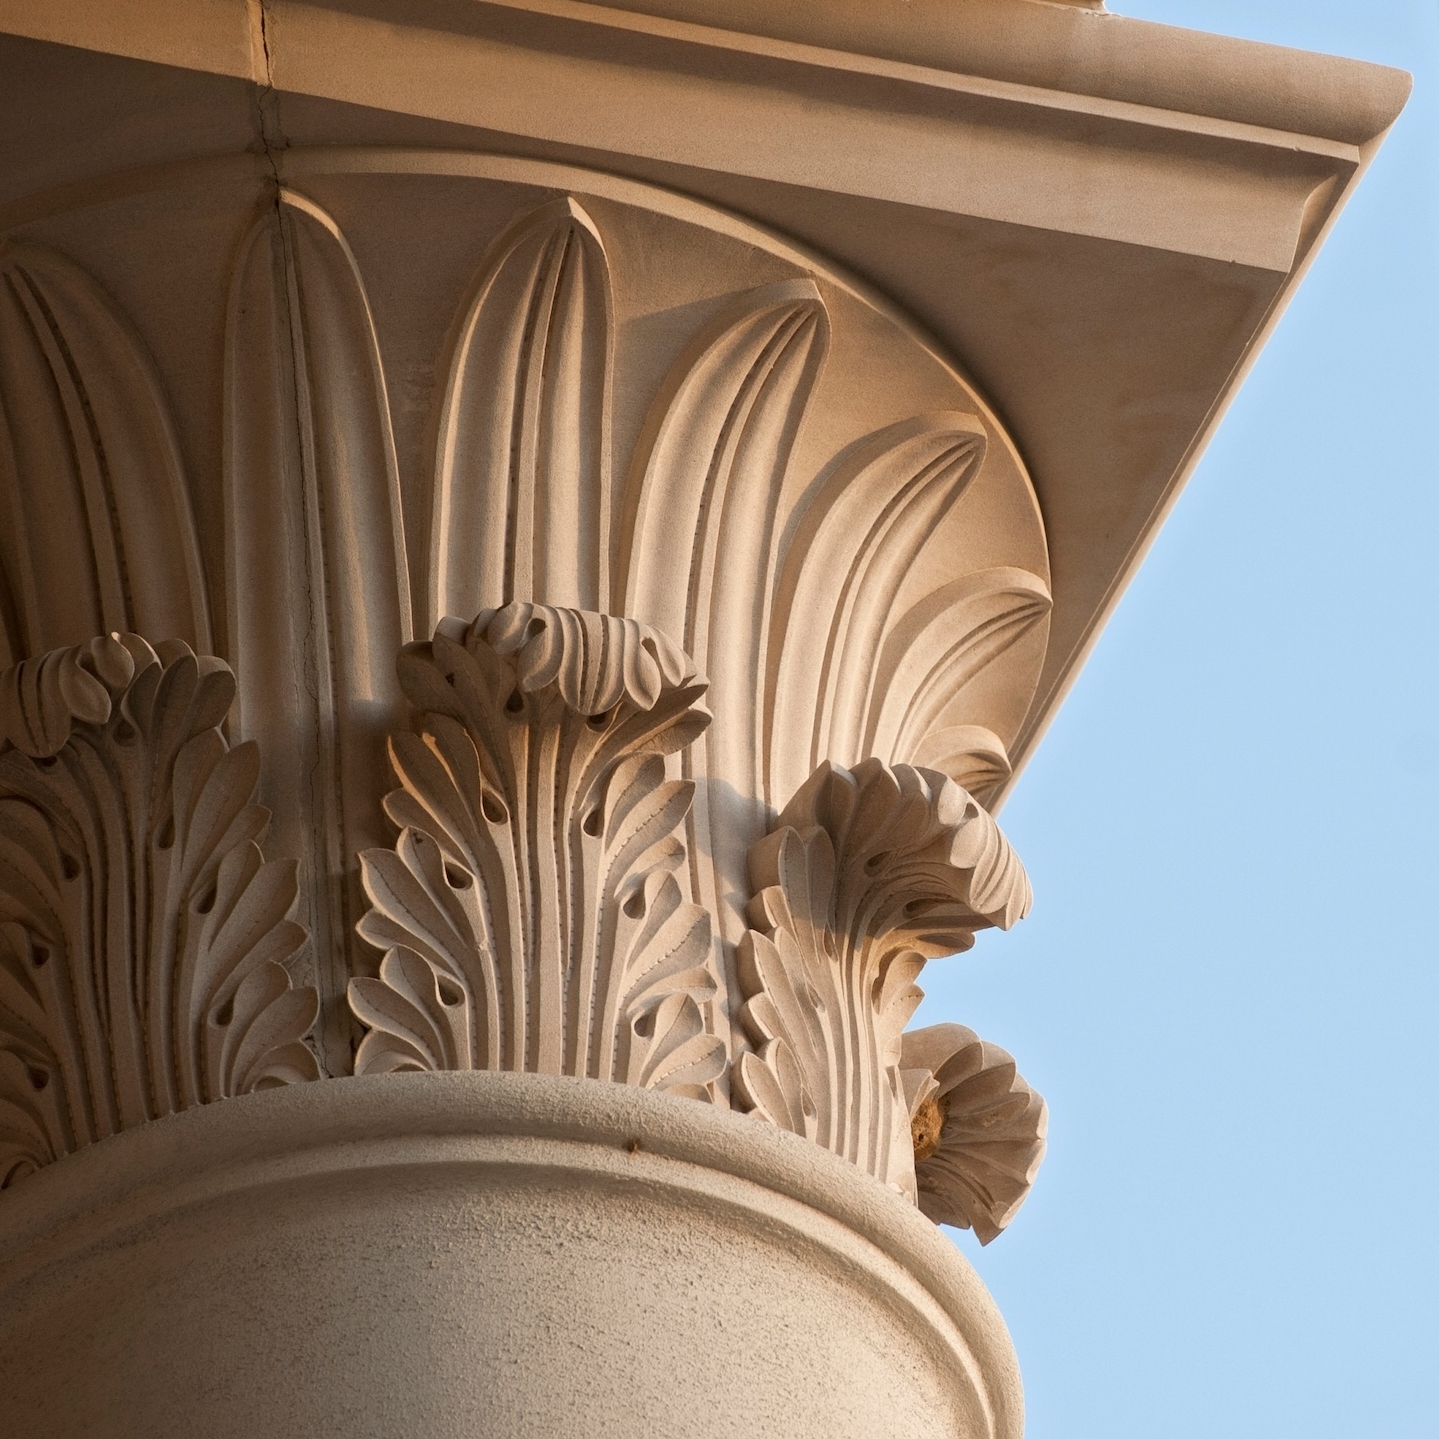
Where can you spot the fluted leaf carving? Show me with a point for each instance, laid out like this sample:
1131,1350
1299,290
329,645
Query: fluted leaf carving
858,543
143,938
318,582
529,913
96,531
703,532
522,484
699,547
866,876
974,757
815,602
942,644
978,1128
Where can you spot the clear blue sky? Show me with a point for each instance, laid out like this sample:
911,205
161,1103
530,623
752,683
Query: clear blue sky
1229,987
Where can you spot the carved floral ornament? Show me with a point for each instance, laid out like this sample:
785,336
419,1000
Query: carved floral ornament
561,861
529,913
143,939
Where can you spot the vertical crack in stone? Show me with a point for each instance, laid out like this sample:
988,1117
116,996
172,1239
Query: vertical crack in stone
267,99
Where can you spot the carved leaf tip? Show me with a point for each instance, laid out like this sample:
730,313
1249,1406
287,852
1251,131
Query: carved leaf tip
522,481
593,660
416,1017
528,914
974,757
917,833
867,874
97,476
124,812
42,698
977,1127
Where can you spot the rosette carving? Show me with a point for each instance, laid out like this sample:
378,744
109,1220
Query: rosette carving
868,874
143,939
529,912
978,1128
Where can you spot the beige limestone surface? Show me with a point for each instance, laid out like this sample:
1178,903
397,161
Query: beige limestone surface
1099,217
535,538
493,1254
301,449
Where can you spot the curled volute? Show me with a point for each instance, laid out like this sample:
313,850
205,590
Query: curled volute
867,874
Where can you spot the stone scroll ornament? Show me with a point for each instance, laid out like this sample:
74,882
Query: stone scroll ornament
868,874
143,938
528,914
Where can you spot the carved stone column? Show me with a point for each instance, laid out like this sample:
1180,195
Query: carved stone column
618,622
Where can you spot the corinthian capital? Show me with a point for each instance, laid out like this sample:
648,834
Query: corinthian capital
596,914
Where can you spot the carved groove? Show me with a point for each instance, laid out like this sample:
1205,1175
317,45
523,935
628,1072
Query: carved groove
522,484
866,876
529,913
318,582
701,539
859,541
943,643
89,471
143,939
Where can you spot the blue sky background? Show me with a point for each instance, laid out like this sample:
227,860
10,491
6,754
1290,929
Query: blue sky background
1229,987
